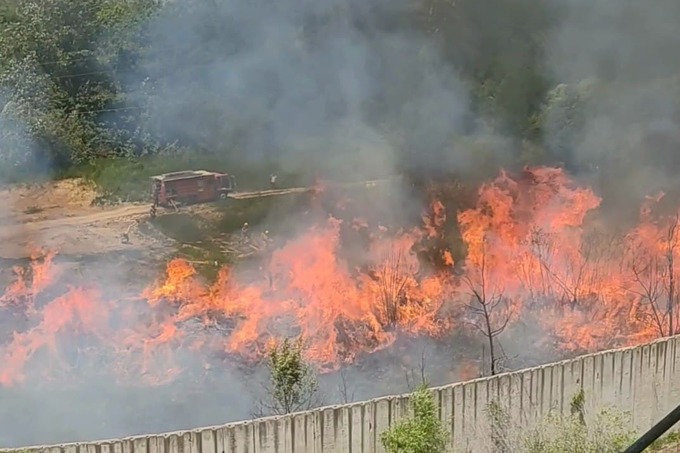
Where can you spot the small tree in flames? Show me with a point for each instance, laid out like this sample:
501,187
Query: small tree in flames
654,273
571,277
293,384
394,276
488,306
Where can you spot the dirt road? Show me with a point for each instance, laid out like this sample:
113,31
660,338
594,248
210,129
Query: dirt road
97,215
60,216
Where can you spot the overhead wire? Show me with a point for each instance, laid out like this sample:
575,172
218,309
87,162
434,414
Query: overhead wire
113,72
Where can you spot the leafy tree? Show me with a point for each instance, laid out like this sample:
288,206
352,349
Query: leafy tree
59,68
422,433
562,117
293,383
498,46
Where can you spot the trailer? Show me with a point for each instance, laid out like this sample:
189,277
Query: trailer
191,187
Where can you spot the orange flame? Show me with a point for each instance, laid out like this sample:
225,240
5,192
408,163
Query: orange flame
532,256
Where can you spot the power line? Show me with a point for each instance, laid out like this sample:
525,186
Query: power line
118,109
95,58
77,60
114,72
71,76
74,60
123,94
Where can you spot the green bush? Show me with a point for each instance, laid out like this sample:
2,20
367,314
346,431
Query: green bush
421,433
293,381
606,432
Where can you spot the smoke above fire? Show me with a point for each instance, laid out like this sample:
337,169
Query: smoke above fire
535,255
616,78
335,86
342,84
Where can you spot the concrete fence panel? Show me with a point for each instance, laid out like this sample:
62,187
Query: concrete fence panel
642,380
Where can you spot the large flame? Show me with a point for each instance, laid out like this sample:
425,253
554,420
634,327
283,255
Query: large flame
533,254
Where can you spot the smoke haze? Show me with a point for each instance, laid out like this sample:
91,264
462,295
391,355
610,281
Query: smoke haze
303,82
618,59
353,88
339,85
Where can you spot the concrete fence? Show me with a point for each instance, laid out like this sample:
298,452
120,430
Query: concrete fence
643,380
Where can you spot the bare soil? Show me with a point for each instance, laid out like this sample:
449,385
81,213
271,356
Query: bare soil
59,215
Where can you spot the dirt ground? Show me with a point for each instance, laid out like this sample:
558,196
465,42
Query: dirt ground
59,216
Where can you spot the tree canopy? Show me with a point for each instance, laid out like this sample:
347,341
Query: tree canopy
429,80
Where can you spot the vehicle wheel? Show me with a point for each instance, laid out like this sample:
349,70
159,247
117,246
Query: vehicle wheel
223,196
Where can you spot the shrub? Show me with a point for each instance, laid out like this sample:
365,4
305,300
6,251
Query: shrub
293,385
421,433
606,432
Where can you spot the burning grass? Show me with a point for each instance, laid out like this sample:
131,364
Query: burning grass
534,252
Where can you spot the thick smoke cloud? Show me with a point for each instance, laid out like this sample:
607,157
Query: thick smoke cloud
292,81
625,41
617,61
352,85
342,84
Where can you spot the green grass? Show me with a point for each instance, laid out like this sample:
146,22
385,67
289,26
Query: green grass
182,227
670,439
198,236
268,212
206,260
128,179
195,242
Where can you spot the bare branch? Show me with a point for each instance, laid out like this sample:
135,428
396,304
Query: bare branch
346,391
487,305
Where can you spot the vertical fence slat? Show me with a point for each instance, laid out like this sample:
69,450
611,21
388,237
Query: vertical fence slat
644,380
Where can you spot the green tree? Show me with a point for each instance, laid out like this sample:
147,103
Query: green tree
59,68
498,46
562,118
421,433
293,384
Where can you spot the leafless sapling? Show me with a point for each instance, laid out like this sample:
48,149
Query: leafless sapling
572,277
345,389
413,380
654,277
488,307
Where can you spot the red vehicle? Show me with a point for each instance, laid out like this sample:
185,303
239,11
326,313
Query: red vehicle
189,187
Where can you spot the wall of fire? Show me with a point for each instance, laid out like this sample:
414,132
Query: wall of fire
643,380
